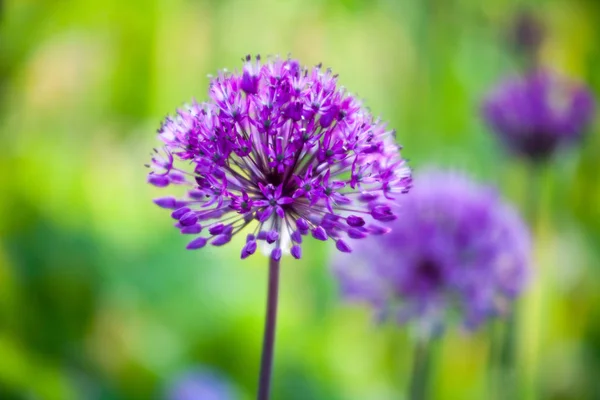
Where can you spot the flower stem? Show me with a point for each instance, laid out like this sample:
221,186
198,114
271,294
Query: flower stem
421,370
508,385
510,381
266,361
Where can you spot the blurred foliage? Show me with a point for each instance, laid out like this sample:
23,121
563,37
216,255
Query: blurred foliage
99,299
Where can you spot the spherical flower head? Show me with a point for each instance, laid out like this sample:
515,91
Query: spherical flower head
536,114
455,250
200,384
283,151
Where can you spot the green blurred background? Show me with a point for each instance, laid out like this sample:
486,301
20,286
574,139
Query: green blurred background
99,298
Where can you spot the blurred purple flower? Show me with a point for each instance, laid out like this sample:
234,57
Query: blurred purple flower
456,249
284,146
200,385
536,114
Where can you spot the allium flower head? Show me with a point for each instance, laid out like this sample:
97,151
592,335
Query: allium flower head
284,148
455,250
200,384
537,113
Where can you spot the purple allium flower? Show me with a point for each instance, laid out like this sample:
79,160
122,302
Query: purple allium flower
536,114
456,249
285,148
200,384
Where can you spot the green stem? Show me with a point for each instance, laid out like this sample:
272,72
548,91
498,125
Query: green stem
504,353
421,370
266,362
532,202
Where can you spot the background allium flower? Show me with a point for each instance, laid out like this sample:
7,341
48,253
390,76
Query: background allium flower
284,146
200,384
456,249
535,114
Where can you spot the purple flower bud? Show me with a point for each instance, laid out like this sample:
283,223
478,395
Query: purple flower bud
180,212
197,243
276,254
216,229
249,83
302,224
368,197
296,252
383,213
319,233
221,240
165,202
189,218
355,221
265,214
192,229
218,173
327,223
249,249
197,194
356,233
228,229
343,246
158,180
297,237
176,177
272,236
262,235
180,203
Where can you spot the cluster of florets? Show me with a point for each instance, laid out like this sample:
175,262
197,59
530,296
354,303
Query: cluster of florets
536,114
456,250
283,148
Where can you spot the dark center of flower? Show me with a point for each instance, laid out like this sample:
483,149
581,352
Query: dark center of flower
430,272
329,153
274,179
279,157
273,202
538,145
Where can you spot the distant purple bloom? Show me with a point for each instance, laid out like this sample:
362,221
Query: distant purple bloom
536,114
455,249
285,149
200,385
